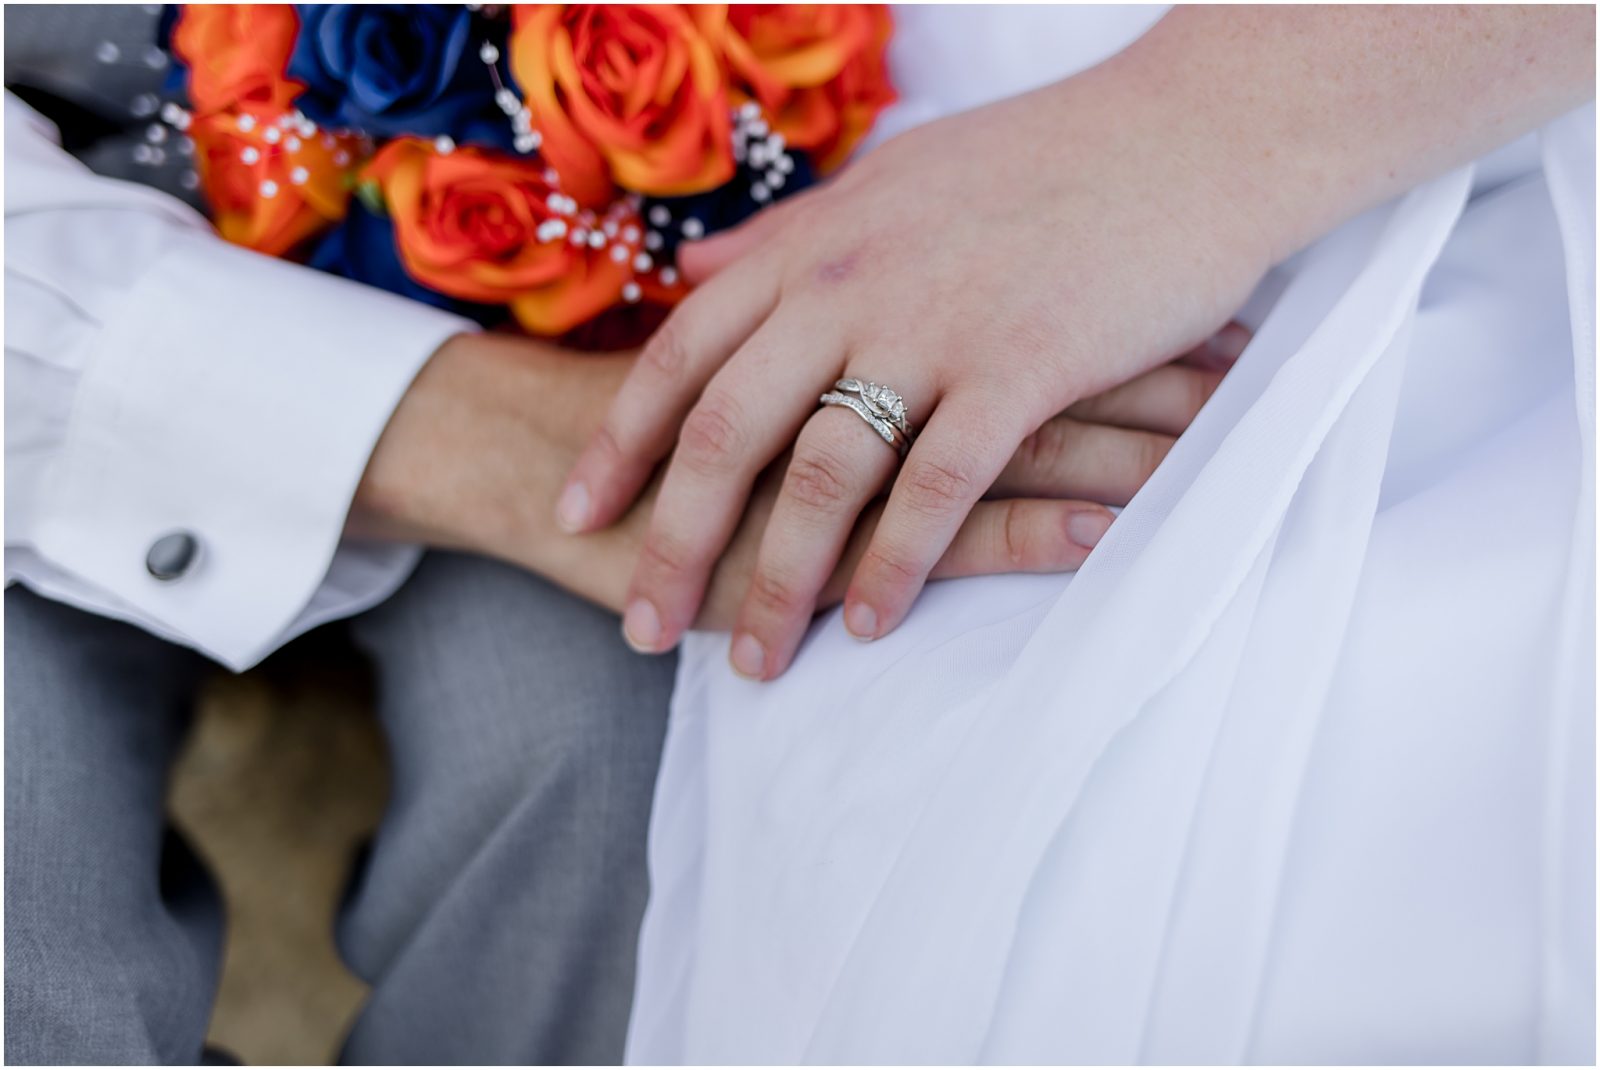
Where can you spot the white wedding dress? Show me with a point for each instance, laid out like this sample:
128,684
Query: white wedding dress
1299,767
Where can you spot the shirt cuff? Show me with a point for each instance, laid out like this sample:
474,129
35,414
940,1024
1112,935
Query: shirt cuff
234,399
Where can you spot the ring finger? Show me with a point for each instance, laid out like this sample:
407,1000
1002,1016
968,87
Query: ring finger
730,435
840,463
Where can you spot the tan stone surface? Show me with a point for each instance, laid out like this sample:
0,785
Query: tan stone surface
281,780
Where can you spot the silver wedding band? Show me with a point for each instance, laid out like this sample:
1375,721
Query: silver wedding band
883,410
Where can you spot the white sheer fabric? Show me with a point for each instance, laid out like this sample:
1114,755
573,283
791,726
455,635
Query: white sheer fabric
1297,768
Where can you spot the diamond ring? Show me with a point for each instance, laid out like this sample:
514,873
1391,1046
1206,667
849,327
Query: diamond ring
882,409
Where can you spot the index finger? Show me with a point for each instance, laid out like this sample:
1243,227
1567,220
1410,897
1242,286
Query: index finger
642,423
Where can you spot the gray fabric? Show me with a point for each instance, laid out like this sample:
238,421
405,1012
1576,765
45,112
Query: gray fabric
112,936
497,913
102,60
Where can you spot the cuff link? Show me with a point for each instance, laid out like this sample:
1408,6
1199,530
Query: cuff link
172,555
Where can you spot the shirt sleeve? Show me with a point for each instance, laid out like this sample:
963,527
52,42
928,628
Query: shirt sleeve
165,387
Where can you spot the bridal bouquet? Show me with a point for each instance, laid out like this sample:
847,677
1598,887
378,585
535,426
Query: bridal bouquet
535,163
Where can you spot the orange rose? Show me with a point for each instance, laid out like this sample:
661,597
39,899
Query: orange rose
269,183
628,92
489,228
236,52
817,70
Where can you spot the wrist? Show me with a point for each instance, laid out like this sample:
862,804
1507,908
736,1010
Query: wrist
474,454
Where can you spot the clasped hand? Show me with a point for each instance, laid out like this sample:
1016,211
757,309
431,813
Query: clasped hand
994,298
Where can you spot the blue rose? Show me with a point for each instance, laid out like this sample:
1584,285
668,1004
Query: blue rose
362,248
394,69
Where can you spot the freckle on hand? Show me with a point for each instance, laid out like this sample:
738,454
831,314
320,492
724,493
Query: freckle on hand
837,270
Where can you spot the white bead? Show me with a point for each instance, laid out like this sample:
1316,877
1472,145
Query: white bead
761,192
776,178
522,122
186,146
154,58
757,155
758,128
269,188
669,275
784,163
630,234
341,158
775,143
488,53
643,263
610,228
619,253
652,240
272,135
659,216
524,143
693,229
749,110
141,154
250,154
292,144
145,104
189,180
507,100
631,292
247,123
155,133
597,240
170,112
551,177
107,52
444,145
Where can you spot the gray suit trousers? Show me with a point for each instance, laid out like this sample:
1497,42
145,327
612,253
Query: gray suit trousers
497,913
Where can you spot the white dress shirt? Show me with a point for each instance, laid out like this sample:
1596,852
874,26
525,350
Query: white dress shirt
161,381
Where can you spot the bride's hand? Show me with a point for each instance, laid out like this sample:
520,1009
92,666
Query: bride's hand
1043,514
476,450
994,268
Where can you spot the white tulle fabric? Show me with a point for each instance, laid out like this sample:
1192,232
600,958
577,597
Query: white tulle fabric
1297,768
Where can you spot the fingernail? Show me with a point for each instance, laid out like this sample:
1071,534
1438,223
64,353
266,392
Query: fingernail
748,656
861,621
572,508
1086,528
641,626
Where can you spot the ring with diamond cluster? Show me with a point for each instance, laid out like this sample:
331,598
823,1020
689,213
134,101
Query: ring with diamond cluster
882,409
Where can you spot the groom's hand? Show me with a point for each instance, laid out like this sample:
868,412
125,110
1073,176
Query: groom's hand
476,451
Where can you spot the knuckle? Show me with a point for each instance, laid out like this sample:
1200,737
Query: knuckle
817,479
667,350
1149,453
1015,535
937,486
1199,387
890,566
666,556
773,594
710,437
608,444
1042,450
